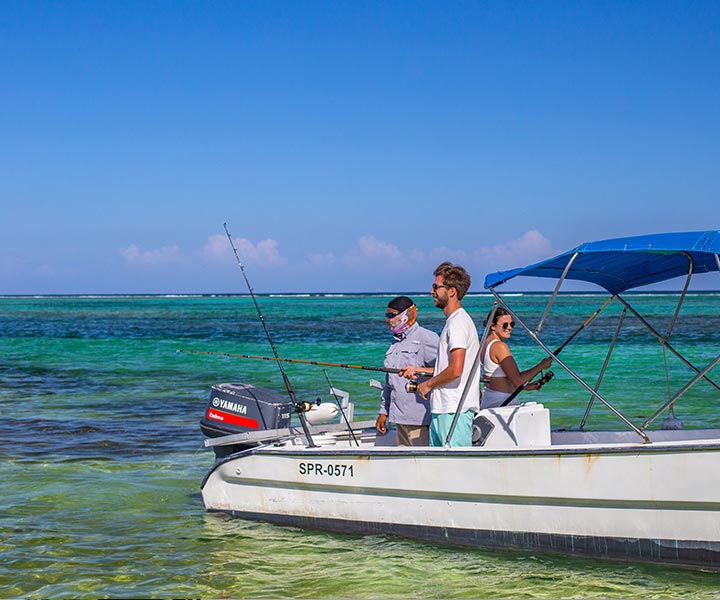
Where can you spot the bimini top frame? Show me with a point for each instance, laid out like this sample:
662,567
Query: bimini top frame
618,265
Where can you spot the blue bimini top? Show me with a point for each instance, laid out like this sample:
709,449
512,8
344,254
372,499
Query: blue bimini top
625,263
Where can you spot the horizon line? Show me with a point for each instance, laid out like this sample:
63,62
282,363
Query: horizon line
324,294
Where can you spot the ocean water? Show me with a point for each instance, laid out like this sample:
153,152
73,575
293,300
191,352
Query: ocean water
101,454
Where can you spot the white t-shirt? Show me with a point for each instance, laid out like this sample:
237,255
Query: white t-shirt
459,332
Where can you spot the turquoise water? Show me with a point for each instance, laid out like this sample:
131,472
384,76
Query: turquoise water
102,457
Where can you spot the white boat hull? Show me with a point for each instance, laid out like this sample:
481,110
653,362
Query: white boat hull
657,502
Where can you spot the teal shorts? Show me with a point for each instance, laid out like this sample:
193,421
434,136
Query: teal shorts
440,426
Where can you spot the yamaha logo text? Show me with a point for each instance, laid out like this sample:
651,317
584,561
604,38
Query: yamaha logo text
240,409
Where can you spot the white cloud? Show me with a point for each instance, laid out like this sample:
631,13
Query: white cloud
531,247
387,257
161,256
371,247
444,253
527,249
218,249
371,250
385,262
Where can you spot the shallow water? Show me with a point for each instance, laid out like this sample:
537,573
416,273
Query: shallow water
102,457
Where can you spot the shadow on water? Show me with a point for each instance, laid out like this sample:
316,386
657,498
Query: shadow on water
388,567
41,439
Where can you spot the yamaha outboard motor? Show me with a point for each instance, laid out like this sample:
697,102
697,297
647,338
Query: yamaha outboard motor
243,407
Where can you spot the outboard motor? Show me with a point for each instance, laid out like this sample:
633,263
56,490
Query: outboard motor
243,407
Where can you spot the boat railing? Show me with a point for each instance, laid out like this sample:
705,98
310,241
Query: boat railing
251,437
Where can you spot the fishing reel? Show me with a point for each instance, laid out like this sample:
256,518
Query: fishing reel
306,406
412,386
544,378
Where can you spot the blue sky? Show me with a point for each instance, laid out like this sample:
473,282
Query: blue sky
350,146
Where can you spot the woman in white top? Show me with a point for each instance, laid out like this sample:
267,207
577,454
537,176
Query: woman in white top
499,369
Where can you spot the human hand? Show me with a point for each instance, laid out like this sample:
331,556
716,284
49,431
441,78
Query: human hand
423,389
545,363
381,424
409,372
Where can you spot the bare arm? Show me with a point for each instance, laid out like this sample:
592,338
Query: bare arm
500,353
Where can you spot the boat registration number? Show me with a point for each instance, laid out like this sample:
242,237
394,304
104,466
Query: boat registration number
329,470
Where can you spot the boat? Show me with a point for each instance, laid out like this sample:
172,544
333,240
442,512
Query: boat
642,492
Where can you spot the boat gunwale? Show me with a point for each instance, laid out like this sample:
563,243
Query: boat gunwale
569,449
660,447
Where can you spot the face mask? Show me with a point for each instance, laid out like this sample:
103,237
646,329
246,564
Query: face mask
403,321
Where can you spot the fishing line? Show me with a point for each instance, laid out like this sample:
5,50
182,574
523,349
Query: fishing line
300,407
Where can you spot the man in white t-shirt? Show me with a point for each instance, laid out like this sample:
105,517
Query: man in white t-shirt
459,345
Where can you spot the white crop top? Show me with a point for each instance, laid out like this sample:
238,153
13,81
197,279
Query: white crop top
489,367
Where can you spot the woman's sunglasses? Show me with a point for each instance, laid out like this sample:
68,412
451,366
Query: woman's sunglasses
510,324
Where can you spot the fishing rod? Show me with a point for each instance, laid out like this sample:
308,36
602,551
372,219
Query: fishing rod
294,360
585,324
544,378
549,375
300,407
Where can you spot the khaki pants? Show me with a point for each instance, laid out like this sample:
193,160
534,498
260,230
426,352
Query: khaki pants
412,435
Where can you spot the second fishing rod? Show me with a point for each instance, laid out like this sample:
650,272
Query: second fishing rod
294,360
300,407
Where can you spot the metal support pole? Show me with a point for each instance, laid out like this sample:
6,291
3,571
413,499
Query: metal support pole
691,383
555,293
682,295
665,343
604,367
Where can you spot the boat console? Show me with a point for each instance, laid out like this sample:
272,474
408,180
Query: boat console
523,426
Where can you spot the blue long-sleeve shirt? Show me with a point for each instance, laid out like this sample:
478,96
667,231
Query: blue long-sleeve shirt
416,347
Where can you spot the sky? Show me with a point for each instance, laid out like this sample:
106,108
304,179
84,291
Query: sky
349,146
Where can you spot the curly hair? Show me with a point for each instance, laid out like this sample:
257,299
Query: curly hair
454,276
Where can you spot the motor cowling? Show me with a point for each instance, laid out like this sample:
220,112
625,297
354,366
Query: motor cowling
242,407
